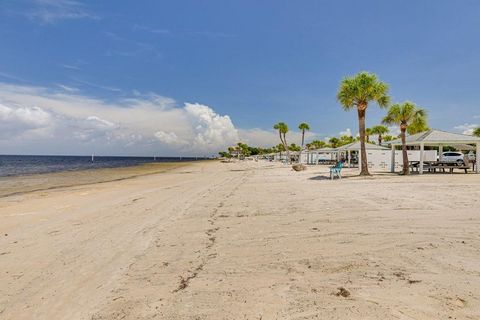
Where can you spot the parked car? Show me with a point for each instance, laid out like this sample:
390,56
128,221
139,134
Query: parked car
471,156
453,156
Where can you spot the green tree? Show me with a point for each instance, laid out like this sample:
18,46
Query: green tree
476,132
317,144
282,132
388,138
225,154
357,92
334,142
420,126
346,140
368,133
303,127
404,115
380,131
294,147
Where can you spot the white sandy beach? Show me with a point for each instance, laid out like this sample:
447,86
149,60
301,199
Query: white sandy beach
244,241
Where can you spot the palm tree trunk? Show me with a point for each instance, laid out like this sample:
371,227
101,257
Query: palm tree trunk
406,169
281,140
379,139
286,148
363,151
301,150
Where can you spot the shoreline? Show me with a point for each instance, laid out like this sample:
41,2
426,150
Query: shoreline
23,184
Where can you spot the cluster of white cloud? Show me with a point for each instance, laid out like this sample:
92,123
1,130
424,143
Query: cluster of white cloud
19,120
346,132
38,119
59,120
467,128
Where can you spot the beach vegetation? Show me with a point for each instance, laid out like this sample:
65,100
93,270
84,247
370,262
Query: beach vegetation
357,92
405,115
379,131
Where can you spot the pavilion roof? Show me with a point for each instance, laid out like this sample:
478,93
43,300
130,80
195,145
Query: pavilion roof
436,137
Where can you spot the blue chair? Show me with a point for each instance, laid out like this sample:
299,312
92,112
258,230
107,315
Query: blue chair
336,170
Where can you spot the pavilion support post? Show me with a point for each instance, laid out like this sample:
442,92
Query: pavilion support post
422,147
477,157
349,155
316,160
392,166
440,151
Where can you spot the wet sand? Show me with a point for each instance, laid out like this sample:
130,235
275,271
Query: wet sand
244,241
40,182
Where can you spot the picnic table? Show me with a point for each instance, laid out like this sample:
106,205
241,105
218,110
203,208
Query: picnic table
433,166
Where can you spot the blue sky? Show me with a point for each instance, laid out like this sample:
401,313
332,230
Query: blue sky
252,63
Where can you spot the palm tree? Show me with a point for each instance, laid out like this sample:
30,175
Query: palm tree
476,132
418,127
405,115
388,138
379,131
357,92
303,127
334,142
317,144
368,133
282,131
346,140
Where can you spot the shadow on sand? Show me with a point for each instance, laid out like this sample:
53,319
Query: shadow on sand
327,177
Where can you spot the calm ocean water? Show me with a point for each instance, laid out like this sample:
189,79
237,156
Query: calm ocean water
11,165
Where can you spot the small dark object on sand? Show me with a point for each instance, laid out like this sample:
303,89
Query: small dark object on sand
342,292
411,281
299,167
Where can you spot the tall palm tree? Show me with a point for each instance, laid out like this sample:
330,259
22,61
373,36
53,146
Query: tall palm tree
476,132
303,127
380,131
405,115
357,92
282,132
418,127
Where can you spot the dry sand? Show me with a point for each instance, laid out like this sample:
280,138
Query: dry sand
244,241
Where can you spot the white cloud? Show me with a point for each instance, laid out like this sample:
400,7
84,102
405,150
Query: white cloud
346,132
210,128
67,88
168,137
26,122
61,121
268,138
50,11
78,124
467,128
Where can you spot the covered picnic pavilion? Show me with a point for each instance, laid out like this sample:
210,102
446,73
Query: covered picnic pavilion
327,150
355,147
437,138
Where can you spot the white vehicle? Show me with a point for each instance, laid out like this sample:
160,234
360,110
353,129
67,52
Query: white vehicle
471,156
453,156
